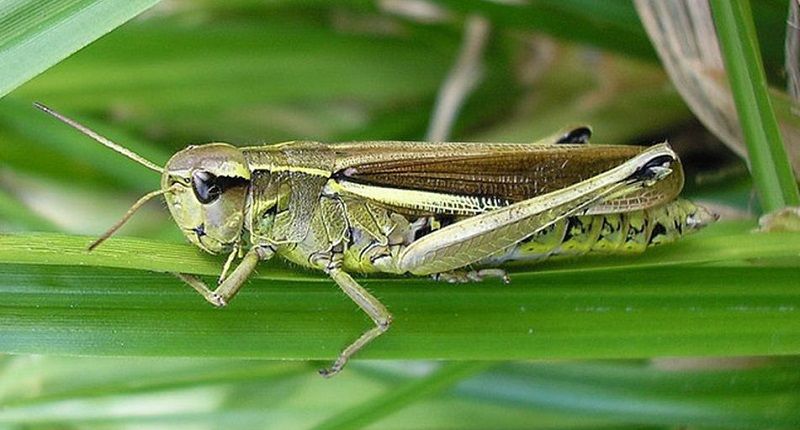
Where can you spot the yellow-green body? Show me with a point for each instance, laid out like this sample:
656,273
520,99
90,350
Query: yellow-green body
441,209
298,205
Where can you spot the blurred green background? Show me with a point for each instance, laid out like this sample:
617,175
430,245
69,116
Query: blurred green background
107,350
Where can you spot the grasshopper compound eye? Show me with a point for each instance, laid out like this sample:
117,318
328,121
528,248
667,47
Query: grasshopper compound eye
206,187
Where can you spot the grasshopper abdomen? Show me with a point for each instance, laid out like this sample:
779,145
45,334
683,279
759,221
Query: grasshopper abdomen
624,232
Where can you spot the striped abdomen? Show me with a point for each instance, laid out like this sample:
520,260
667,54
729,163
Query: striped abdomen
628,232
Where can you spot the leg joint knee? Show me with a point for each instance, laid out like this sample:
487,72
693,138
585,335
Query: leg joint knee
384,323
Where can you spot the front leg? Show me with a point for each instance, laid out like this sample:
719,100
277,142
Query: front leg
232,283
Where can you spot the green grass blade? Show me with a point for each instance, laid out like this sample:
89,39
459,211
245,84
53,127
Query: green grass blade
772,173
38,34
65,378
400,396
552,395
764,396
719,243
60,249
60,299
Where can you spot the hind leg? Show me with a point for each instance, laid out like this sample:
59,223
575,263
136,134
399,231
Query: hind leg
473,239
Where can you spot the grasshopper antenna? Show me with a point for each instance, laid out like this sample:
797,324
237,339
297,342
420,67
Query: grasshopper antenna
139,203
104,141
117,148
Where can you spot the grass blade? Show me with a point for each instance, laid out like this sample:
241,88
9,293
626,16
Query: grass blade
770,166
36,35
757,398
719,243
400,396
551,395
649,306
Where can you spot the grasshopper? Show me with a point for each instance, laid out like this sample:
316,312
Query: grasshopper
454,211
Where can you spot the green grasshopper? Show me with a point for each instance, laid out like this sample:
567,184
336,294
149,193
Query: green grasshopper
455,211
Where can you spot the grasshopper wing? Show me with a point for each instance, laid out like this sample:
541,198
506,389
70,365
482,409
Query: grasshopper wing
480,236
471,178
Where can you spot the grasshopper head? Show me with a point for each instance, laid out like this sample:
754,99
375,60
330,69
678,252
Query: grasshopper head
205,187
209,186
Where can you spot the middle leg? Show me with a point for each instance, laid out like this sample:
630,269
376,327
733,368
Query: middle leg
370,305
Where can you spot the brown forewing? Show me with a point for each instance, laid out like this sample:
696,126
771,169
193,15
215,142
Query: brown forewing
513,173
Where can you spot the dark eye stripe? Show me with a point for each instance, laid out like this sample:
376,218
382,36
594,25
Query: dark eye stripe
228,182
208,187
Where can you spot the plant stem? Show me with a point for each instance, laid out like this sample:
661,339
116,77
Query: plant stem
769,162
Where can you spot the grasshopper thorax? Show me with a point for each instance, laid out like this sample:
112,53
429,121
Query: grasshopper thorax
209,185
